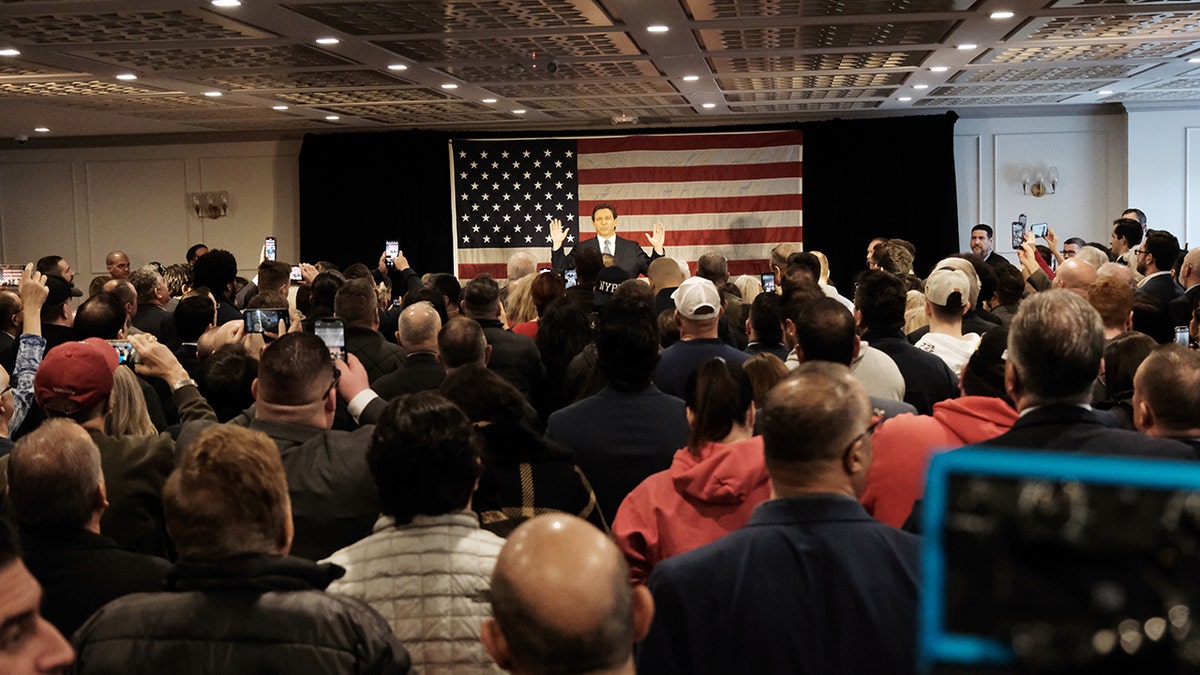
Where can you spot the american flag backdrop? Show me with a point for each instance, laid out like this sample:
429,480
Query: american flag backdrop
736,193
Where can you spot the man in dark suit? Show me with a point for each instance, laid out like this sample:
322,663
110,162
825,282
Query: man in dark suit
152,297
812,584
514,357
1181,308
357,304
1054,350
58,495
1155,258
630,429
983,244
879,301
422,371
10,317
629,256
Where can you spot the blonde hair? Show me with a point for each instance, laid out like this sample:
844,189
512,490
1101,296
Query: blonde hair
520,307
824,267
914,312
128,416
749,286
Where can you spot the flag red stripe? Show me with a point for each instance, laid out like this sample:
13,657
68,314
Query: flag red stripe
685,174
666,207
689,142
468,271
723,237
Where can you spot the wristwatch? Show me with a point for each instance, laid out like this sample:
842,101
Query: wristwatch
187,382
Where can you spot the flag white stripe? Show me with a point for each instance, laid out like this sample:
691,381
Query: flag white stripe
710,157
615,192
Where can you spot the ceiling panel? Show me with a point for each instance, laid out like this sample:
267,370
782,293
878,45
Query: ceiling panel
575,64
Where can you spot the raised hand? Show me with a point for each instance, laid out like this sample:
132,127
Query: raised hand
657,238
557,234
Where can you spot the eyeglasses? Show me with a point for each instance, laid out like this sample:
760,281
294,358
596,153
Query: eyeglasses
1068,254
876,418
6,390
1138,251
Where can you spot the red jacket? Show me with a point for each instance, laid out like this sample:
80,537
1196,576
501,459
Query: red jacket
694,502
903,445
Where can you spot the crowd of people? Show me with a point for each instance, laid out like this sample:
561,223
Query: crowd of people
675,472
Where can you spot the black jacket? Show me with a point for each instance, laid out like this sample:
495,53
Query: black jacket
253,614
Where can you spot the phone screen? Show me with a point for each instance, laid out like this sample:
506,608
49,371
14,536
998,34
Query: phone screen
1018,234
768,282
392,248
126,354
296,276
1040,229
266,320
10,275
1181,335
269,248
571,277
333,332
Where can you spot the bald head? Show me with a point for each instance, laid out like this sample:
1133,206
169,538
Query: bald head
118,264
1075,275
1116,271
664,273
562,601
1189,271
418,327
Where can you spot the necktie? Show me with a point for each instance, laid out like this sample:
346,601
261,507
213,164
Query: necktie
608,247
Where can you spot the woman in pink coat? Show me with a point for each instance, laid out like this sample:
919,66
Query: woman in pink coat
712,485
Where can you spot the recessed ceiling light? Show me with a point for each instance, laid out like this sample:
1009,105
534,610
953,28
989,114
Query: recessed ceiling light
1105,92
1002,14
518,112
904,98
332,118
213,94
657,28
42,130
489,100
920,86
328,41
9,52
127,76
708,105
690,78
449,85
939,69
279,107
397,66
967,45
226,3
1194,59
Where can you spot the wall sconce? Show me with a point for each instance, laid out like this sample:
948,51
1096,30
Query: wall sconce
211,205
1039,184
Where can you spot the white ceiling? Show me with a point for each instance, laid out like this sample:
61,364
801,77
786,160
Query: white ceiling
573,64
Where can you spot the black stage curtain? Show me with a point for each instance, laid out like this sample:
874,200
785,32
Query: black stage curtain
862,178
891,177
358,190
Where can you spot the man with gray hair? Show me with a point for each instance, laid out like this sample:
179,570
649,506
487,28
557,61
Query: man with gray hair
56,490
417,332
152,297
520,264
812,584
1054,351
236,598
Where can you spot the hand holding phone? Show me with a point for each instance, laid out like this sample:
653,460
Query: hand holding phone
333,332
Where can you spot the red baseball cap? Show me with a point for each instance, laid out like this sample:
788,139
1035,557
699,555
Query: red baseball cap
78,374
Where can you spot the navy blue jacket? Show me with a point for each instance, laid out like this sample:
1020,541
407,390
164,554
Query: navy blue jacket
809,585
